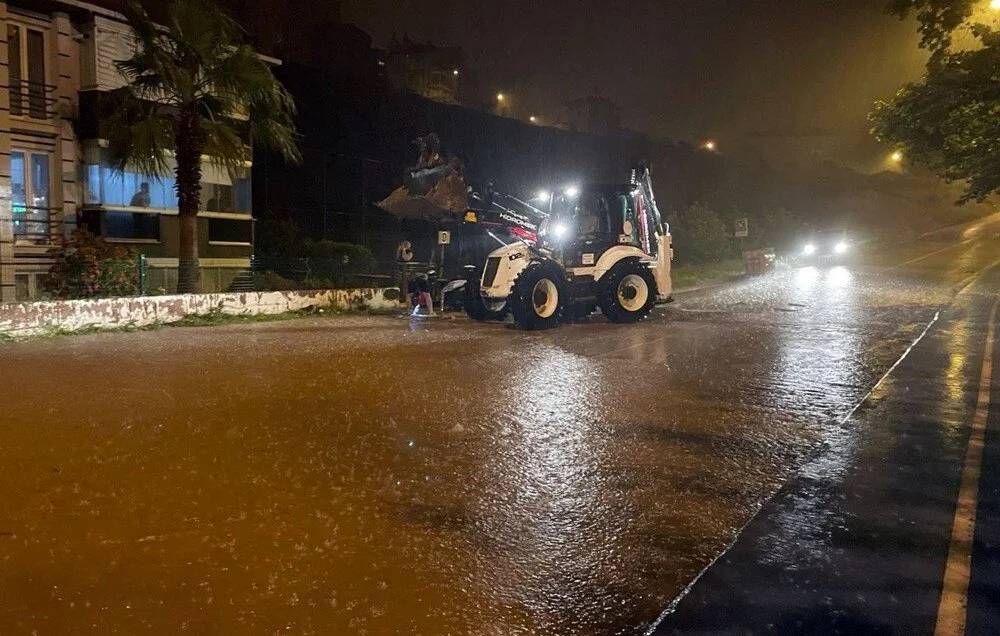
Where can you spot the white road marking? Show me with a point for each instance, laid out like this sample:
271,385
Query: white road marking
929,254
953,606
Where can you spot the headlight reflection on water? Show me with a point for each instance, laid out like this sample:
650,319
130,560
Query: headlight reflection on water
820,373
548,487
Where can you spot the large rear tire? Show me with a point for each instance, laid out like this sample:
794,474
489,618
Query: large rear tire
539,296
627,293
473,303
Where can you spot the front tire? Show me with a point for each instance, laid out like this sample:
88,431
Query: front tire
627,292
474,304
539,296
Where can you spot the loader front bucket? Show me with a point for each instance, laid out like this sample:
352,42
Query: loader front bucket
429,194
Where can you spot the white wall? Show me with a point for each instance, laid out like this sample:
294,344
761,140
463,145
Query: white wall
27,319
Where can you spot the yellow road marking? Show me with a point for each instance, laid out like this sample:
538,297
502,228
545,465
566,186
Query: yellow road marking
953,606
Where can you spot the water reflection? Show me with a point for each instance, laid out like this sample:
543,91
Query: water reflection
820,374
956,372
806,277
557,532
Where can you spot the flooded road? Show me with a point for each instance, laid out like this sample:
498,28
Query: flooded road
381,475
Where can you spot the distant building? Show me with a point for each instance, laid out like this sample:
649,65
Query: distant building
424,69
594,115
322,41
55,176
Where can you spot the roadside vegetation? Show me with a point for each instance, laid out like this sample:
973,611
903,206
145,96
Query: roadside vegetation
287,259
211,319
690,276
87,266
948,121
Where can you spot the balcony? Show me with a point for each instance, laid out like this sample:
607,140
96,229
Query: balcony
32,99
32,225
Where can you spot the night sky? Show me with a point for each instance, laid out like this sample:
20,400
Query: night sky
790,79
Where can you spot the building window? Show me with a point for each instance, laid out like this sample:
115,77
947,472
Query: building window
107,187
218,197
229,231
22,287
131,225
29,184
29,94
29,287
222,191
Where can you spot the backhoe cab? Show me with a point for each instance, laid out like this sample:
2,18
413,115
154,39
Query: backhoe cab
600,246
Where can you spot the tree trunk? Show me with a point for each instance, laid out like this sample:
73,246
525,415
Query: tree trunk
189,141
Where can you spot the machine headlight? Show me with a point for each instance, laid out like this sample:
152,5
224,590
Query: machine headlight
840,247
559,230
809,249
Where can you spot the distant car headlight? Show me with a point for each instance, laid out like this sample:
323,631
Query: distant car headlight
809,249
840,247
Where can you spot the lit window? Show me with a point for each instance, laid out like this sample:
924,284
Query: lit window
29,184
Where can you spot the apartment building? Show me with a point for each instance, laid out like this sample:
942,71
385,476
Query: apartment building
56,58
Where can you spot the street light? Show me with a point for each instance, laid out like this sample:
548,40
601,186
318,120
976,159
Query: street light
455,72
534,119
500,97
897,156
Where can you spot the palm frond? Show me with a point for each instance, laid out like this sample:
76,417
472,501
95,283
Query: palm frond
198,62
225,146
140,133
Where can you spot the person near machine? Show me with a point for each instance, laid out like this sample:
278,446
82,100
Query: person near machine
420,295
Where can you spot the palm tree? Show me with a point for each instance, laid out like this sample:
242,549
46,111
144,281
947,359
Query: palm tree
194,87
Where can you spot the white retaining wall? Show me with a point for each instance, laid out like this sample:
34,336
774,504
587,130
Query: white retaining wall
26,319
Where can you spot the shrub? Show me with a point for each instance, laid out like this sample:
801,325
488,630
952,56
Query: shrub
271,281
314,282
87,266
699,235
278,236
338,262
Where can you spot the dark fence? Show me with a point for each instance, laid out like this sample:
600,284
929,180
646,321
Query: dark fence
284,273
135,276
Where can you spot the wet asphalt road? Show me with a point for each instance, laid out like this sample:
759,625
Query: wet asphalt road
386,475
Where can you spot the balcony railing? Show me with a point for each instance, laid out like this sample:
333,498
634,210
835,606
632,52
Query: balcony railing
32,99
32,225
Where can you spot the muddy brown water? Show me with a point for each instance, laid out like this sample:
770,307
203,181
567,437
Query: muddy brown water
386,475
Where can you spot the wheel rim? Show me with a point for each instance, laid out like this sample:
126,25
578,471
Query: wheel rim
545,298
633,292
